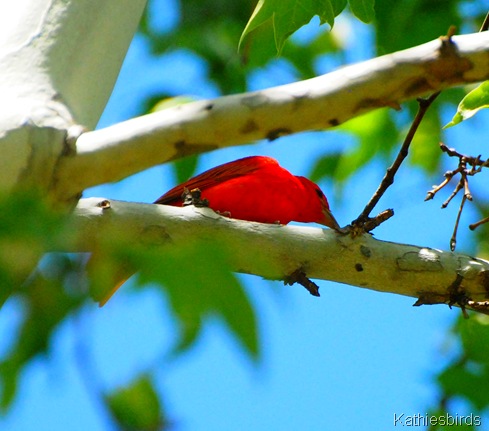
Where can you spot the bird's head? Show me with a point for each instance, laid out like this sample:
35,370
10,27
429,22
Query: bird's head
323,214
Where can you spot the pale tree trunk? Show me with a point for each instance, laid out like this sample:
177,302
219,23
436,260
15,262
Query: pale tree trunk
58,64
59,60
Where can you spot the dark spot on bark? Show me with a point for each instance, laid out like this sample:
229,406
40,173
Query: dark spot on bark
154,235
418,86
209,107
277,133
370,102
365,251
333,122
484,276
359,267
249,127
254,100
302,96
298,98
448,69
183,149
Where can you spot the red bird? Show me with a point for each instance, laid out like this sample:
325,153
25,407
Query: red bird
255,189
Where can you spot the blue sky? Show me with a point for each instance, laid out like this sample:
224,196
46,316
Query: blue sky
349,360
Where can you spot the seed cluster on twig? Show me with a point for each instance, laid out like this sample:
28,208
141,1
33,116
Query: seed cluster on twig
468,166
476,164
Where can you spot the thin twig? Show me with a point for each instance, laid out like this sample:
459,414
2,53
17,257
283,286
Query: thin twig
459,187
388,179
476,165
453,239
467,193
448,177
299,276
480,222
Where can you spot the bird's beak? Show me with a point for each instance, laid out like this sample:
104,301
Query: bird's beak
331,222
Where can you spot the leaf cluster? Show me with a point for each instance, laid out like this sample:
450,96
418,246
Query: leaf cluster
465,378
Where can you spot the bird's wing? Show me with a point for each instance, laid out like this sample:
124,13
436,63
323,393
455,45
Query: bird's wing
216,175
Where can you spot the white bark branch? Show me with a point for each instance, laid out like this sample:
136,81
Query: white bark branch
115,152
59,60
273,251
65,52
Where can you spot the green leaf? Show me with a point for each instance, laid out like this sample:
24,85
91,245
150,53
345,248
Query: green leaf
459,380
474,333
338,6
470,371
185,168
195,274
375,133
424,150
363,9
289,16
473,102
137,407
46,303
403,23
200,284
28,228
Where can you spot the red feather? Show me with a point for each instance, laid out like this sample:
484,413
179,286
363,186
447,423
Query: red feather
257,189
217,175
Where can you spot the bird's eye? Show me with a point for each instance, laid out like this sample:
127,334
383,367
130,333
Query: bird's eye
319,193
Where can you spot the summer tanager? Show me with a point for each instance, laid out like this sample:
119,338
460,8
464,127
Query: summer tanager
255,189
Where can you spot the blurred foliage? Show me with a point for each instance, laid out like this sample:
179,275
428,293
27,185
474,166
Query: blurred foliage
202,30
46,301
185,167
405,24
27,230
483,230
195,276
137,406
200,284
376,133
463,382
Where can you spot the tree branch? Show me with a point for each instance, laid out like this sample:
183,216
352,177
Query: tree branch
273,251
50,52
115,152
